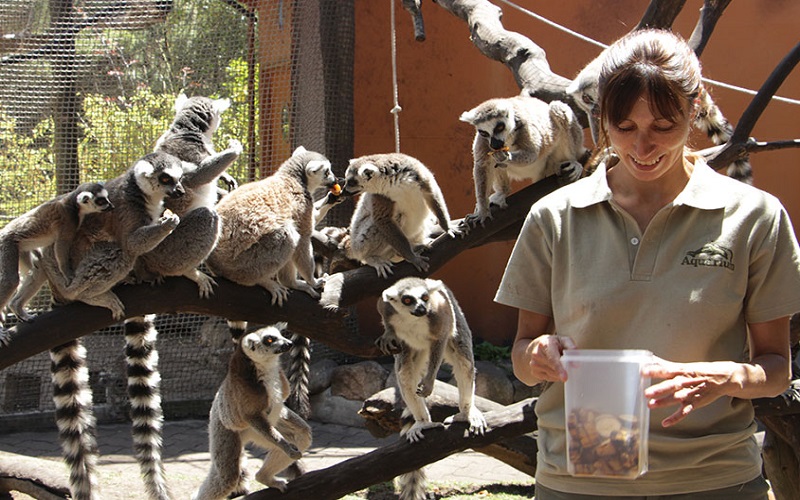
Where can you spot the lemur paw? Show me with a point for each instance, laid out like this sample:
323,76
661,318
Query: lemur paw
569,171
5,336
498,200
424,389
477,422
383,268
501,156
472,220
169,219
420,262
388,344
205,284
235,146
414,433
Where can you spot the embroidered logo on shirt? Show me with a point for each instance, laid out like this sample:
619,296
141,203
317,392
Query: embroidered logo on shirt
710,255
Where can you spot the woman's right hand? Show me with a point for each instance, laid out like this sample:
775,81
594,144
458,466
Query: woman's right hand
536,355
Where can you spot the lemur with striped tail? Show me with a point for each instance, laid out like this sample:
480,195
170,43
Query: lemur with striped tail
180,254
102,255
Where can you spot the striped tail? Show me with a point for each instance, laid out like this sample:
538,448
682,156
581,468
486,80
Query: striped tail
297,373
145,398
74,417
412,485
711,121
237,330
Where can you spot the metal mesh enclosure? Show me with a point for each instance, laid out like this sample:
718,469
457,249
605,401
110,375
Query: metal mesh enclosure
86,88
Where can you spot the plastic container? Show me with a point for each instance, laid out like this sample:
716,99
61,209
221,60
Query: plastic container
607,417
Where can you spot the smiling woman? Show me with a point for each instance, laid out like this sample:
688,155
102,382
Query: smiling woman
658,252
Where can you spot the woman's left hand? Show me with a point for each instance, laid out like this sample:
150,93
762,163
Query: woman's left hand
689,385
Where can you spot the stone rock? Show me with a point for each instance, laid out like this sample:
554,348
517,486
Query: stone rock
358,381
492,382
330,409
320,374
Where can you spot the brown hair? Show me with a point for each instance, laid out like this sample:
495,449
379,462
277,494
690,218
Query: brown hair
656,63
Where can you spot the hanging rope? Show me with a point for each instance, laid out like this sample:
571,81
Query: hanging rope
396,109
603,46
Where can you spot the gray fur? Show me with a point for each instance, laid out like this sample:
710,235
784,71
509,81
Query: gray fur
107,244
55,223
424,326
520,138
249,408
189,139
397,213
267,226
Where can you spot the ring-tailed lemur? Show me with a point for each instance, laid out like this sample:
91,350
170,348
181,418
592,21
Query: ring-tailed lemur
102,255
267,226
709,118
397,213
518,138
266,241
422,319
54,222
180,254
249,408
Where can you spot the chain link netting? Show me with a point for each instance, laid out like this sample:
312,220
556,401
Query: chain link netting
88,86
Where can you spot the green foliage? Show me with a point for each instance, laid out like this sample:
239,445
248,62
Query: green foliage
490,352
27,168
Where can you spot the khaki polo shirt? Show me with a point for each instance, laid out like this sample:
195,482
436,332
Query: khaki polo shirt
721,255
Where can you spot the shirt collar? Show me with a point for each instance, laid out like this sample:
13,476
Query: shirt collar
703,190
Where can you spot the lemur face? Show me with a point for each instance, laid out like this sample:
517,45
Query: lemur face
93,198
319,174
411,295
358,176
265,343
494,121
160,173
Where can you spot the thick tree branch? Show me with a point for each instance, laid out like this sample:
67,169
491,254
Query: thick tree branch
401,456
736,147
660,14
709,15
526,60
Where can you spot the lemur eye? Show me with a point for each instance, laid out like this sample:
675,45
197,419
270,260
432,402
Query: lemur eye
587,99
165,179
483,133
425,297
268,340
407,300
500,127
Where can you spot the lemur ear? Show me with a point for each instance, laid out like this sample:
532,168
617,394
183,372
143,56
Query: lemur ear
180,101
281,326
468,116
389,294
368,170
434,285
84,197
300,150
143,167
221,105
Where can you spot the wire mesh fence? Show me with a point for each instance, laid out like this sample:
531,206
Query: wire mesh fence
88,86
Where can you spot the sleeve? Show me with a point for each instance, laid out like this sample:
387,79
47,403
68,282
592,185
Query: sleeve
773,288
527,278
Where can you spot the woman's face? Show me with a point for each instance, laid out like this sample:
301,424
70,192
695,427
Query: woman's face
649,146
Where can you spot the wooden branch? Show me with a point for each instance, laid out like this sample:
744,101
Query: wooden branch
35,477
736,147
382,413
230,300
526,60
710,13
660,14
349,287
400,457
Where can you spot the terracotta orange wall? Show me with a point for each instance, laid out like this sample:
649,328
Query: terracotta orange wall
445,75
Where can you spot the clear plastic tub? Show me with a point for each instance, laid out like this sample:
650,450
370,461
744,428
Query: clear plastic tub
607,417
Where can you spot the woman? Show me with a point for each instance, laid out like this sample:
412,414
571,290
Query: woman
658,252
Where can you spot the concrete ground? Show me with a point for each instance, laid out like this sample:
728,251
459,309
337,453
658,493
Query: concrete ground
187,461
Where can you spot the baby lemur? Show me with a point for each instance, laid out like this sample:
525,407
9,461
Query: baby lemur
520,138
423,320
249,408
399,211
55,223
